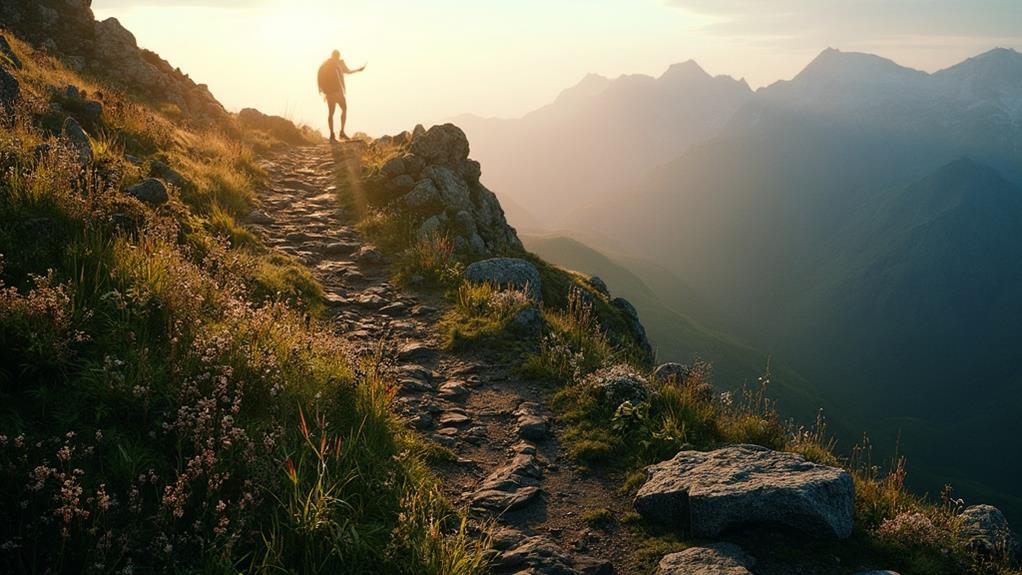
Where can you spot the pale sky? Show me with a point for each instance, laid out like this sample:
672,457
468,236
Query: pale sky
430,60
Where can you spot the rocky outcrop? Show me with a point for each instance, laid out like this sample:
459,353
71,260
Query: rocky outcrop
69,30
438,185
617,384
511,273
671,371
716,559
8,54
636,327
985,529
709,492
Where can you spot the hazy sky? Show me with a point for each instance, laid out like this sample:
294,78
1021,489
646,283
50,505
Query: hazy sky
433,59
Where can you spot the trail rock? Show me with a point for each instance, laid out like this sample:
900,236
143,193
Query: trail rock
531,425
619,383
507,272
747,484
259,217
511,486
454,390
538,554
369,255
150,191
415,351
443,144
985,529
716,559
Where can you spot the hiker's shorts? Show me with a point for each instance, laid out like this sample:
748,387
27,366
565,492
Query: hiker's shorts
336,99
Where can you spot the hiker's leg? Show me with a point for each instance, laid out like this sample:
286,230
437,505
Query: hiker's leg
330,119
344,115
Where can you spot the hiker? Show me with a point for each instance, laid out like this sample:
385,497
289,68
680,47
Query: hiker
331,85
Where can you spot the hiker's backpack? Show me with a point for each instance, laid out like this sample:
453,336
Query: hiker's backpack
327,77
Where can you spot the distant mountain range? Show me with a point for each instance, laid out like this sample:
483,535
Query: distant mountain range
599,136
861,223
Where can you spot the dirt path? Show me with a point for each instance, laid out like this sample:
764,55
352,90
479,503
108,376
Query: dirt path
470,402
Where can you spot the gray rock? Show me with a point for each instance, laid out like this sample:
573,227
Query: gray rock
453,192
671,371
418,130
161,170
709,492
393,167
619,383
369,255
8,52
454,419
985,529
507,272
531,424
509,487
415,351
716,559
599,285
10,89
465,223
340,248
638,331
432,226
78,140
443,144
72,92
259,217
401,184
150,191
424,194
471,170
528,321
93,111
454,390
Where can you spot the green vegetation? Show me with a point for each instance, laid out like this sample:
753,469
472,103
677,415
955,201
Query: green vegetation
168,400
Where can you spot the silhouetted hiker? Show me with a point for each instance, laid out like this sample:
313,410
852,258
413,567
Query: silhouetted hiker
331,85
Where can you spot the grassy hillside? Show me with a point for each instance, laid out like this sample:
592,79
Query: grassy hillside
169,400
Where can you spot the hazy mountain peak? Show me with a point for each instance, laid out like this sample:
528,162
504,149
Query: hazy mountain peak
686,70
590,85
854,67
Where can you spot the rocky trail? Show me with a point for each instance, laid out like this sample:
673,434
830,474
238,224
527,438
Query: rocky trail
509,467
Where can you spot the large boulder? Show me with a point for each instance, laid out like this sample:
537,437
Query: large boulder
715,559
619,383
709,492
443,144
985,529
636,327
507,272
